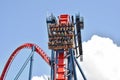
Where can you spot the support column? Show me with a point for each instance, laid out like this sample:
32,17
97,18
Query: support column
52,65
31,64
73,63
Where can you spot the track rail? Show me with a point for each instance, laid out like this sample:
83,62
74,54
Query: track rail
13,55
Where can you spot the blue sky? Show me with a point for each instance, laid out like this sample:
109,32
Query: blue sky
24,21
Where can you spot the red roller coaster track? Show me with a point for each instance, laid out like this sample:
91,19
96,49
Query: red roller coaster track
26,45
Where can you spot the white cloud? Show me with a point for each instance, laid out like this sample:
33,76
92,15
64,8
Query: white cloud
101,60
44,77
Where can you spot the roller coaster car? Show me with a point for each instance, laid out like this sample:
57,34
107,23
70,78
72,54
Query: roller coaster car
64,19
60,33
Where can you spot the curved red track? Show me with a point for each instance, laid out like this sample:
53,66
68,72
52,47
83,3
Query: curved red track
26,45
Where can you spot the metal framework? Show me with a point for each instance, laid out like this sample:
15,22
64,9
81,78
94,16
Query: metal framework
13,55
65,42
64,36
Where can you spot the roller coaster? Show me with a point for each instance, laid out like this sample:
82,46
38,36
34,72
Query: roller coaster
64,41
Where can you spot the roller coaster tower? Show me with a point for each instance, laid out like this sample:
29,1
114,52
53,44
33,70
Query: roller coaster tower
65,43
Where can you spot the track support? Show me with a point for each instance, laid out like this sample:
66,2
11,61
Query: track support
31,64
24,65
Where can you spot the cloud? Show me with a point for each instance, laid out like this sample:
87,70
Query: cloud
44,77
101,60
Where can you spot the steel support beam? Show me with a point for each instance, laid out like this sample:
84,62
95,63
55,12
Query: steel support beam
24,65
73,63
52,65
31,64
80,69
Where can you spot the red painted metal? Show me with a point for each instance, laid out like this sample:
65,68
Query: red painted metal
61,67
27,45
64,19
